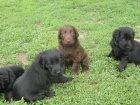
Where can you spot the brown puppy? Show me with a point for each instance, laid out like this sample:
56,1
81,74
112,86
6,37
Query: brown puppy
73,52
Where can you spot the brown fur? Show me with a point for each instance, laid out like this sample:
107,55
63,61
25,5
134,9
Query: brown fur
73,52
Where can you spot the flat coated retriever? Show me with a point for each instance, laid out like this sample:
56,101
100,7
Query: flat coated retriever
8,76
73,52
124,47
35,83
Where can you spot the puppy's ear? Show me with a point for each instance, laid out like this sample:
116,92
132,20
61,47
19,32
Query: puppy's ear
62,58
59,36
18,71
42,62
76,32
116,35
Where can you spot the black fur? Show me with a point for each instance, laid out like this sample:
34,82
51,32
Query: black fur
35,83
124,47
8,76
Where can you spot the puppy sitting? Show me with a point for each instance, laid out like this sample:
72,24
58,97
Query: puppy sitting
73,52
35,83
124,47
8,76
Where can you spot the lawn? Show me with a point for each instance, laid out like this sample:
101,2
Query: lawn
28,27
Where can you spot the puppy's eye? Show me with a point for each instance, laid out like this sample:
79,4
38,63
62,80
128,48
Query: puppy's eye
62,33
71,32
128,38
124,38
62,61
48,63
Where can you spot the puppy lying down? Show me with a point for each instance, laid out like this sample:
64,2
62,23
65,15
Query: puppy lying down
35,83
124,47
8,76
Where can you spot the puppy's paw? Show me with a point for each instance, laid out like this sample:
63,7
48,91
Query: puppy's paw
8,96
69,79
74,73
50,93
120,69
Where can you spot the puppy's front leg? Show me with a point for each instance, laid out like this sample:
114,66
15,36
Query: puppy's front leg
74,68
62,79
123,64
85,63
50,93
8,95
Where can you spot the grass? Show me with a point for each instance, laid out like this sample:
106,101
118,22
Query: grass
31,26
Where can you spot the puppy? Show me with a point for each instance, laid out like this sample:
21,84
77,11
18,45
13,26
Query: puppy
35,83
124,47
73,52
8,76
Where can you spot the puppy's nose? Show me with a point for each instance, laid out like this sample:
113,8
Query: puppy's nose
127,46
68,41
58,71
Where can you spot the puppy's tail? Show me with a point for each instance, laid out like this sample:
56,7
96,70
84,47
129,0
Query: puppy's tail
8,96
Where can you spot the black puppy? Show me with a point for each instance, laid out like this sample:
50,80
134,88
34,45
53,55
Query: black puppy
124,47
35,83
8,76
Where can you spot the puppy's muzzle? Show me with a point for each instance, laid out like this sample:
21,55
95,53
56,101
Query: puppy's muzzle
68,39
128,47
57,70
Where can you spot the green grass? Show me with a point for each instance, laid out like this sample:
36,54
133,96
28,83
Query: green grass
31,26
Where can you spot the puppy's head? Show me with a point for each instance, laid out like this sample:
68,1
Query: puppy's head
18,70
4,79
68,35
52,61
123,38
